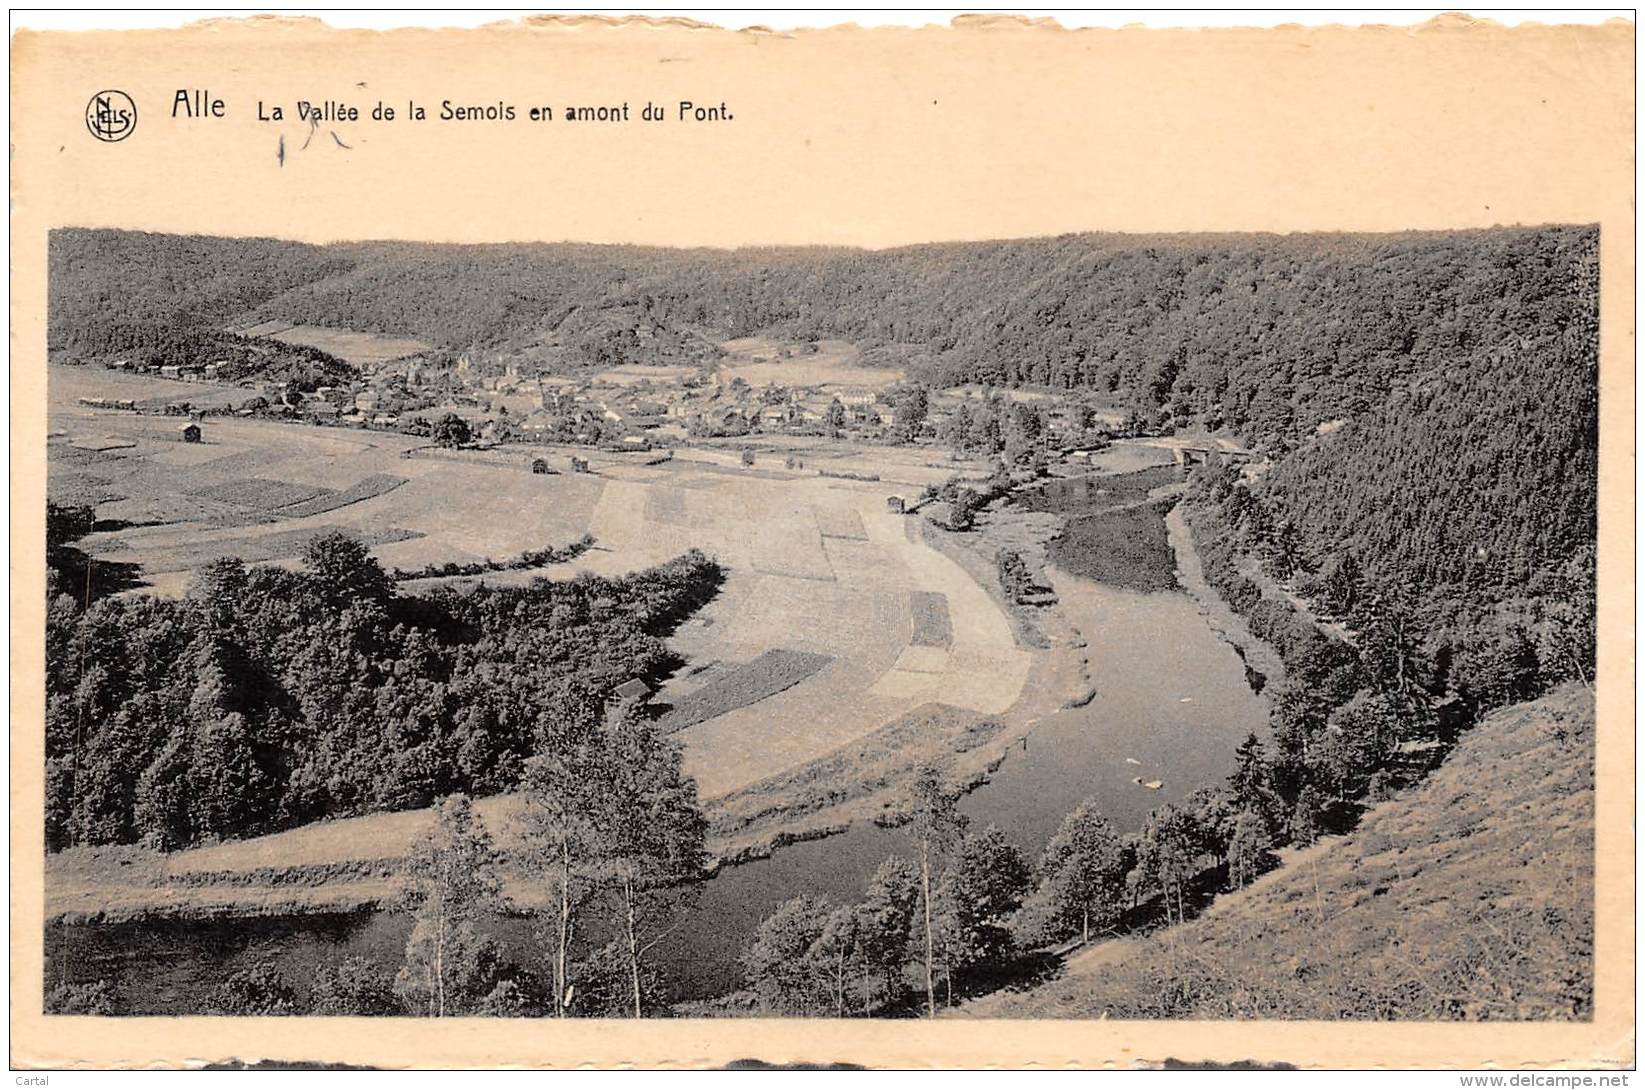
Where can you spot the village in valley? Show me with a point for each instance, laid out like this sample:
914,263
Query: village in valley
759,389
321,595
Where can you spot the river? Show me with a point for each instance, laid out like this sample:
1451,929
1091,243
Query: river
1171,704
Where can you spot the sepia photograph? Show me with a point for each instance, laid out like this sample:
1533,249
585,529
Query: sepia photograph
1095,626
1089,623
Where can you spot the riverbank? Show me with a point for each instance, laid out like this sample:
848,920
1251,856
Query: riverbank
1262,662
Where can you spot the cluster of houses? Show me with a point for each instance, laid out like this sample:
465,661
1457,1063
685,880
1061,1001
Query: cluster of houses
638,415
635,410
365,407
196,372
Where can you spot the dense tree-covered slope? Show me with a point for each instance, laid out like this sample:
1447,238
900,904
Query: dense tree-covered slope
267,698
101,277
1271,333
1471,897
162,299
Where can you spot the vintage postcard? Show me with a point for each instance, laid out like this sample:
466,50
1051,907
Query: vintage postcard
586,542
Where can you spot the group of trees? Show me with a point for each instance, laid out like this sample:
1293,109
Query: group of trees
1020,432
964,497
531,558
267,698
1016,582
944,913
961,911
451,431
612,839
611,816
1382,666
610,845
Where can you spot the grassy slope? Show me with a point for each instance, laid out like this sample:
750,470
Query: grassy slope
1470,897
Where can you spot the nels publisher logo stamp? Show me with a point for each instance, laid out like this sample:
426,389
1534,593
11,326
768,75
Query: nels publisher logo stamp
111,115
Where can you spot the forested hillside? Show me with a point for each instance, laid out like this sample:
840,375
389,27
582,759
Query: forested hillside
1470,898
1272,335
163,299
268,698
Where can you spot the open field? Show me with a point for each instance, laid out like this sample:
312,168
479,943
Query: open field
759,361
348,345
817,566
260,489
66,384
821,577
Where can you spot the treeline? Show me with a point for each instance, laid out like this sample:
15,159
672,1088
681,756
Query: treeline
941,916
1021,433
1431,646
613,837
965,913
268,698
531,558
1374,702
155,345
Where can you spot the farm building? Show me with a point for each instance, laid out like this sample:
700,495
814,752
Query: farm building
894,504
189,433
539,465
579,465
633,689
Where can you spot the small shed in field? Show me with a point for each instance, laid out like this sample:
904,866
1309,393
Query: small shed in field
579,465
189,433
540,465
894,504
633,689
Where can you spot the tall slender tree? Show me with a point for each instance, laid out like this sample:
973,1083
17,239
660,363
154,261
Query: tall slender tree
646,825
936,827
452,882
561,801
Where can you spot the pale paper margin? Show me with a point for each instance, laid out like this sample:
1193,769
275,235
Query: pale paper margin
1453,124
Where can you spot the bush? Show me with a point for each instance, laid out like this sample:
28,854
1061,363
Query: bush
356,987
96,997
259,990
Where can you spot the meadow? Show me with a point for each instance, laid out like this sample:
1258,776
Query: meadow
348,345
760,361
